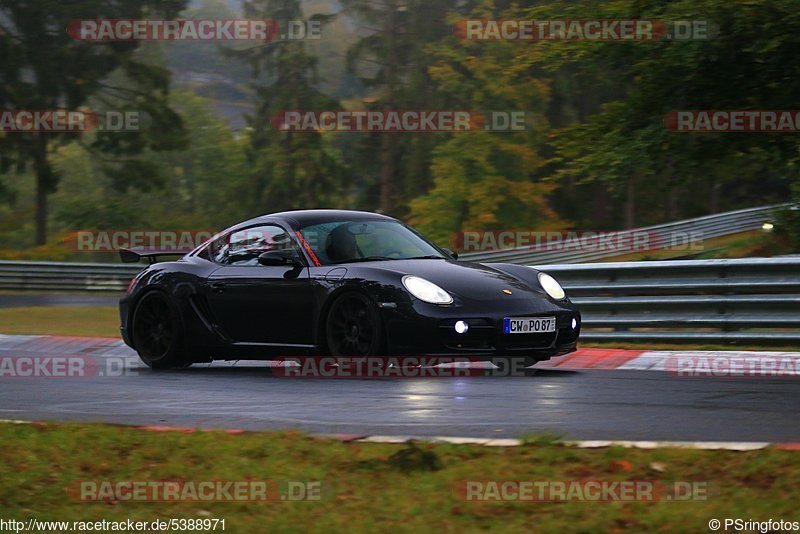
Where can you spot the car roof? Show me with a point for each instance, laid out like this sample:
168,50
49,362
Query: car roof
302,218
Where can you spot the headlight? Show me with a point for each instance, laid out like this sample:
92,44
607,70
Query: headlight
426,291
552,287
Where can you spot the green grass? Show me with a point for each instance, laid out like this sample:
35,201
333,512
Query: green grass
370,487
753,243
99,321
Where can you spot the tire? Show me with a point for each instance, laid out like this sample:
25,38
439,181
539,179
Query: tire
157,333
353,327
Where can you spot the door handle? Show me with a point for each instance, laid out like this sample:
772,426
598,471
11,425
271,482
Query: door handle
218,287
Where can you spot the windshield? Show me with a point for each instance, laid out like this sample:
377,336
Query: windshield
351,241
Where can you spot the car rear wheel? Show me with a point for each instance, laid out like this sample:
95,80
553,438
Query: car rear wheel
157,333
353,327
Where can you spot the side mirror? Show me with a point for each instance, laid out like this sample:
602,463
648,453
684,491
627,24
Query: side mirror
451,253
276,258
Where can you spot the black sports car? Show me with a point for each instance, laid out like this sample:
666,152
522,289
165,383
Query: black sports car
339,283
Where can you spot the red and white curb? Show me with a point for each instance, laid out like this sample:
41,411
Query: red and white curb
739,446
698,361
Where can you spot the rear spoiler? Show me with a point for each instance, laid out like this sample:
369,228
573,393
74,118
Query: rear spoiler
131,255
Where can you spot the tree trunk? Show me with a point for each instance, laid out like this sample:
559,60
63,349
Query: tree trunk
387,178
672,203
599,206
41,211
630,204
44,177
713,200
673,184
387,173
189,183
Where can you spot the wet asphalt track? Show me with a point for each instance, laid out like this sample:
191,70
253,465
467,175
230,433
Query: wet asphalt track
580,404
583,404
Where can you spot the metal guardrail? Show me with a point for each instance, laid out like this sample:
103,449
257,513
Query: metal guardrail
660,236
53,276
754,301
715,301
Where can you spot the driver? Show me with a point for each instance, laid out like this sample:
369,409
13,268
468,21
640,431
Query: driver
341,245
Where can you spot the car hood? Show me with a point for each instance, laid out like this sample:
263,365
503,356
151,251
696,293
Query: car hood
468,281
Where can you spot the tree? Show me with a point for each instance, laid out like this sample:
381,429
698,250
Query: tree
391,61
212,165
288,168
486,180
660,174
43,68
201,180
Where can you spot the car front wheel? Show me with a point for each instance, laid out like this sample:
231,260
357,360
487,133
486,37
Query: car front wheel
353,327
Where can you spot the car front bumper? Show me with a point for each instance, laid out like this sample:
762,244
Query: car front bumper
426,329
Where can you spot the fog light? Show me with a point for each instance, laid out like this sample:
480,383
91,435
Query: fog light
574,323
461,327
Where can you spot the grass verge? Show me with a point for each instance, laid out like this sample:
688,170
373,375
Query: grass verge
100,321
366,487
749,244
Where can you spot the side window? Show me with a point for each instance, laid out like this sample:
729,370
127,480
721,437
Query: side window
245,246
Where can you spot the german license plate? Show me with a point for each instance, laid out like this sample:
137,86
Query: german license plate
529,325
